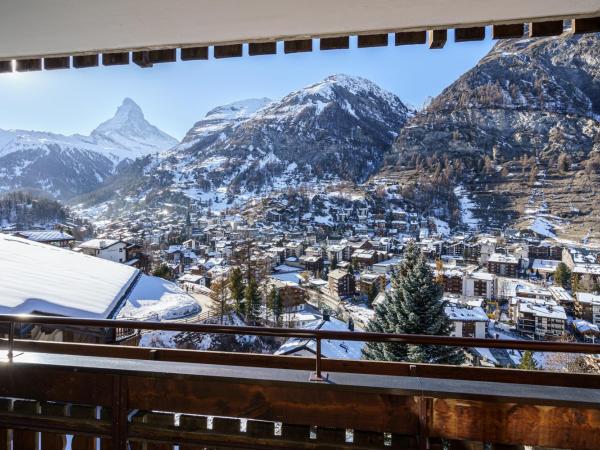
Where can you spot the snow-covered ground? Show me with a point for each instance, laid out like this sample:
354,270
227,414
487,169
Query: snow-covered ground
466,208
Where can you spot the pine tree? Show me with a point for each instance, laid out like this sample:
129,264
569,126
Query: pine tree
414,306
562,275
219,290
236,287
252,299
275,305
372,294
527,361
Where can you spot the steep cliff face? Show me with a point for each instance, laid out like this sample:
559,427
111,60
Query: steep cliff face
528,96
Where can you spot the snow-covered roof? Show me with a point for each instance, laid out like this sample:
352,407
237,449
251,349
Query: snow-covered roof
560,294
99,244
50,280
591,269
584,327
329,348
586,297
465,313
545,265
543,310
500,258
45,236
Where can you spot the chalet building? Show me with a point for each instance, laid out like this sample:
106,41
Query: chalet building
368,280
54,237
544,268
487,247
562,297
180,255
367,258
540,320
355,246
386,266
469,319
586,277
341,283
111,249
313,264
587,307
479,284
545,250
503,265
452,281
336,252
294,249
292,295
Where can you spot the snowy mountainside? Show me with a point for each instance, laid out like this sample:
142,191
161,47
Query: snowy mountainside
337,129
64,166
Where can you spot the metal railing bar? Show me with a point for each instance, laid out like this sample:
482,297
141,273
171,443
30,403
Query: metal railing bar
415,339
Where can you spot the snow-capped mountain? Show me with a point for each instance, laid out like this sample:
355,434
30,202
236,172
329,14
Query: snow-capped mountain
336,129
65,166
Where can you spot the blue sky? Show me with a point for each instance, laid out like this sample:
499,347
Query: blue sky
176,95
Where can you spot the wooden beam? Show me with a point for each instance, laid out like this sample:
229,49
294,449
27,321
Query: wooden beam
335,43
163,56
469,34
28,65
6,66
142,59
262,48
437,38
591,25
63,62
298,46
115,59
511,31
372,40
228,51
194,53
545,29
84,61
411,37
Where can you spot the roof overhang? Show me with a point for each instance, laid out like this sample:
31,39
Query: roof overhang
40,28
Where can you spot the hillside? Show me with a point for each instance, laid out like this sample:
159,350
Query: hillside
521,132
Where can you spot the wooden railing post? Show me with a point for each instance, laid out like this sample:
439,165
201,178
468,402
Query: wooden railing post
119,412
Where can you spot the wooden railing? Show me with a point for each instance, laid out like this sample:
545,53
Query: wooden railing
111,395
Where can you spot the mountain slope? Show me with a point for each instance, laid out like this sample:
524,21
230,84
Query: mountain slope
503,127
337,129
65,166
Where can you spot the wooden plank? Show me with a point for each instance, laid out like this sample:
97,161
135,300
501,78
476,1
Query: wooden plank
331,435
225,425
106,415
591,25
262,48
142,59
329,407
295,432
545,29
260,429
406,442
53,441
83,412
157,421
115,59
166,55
5,406
85,61
510,31
194,53
55,384
196,424
411,37
372,40
25,439
28,65
437,38
469,34
298,46
509,423
228,51
63,62
335,43
6,66
368,439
